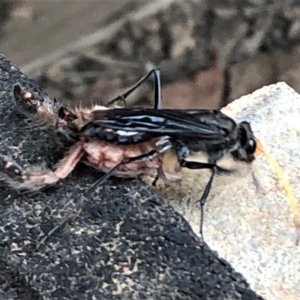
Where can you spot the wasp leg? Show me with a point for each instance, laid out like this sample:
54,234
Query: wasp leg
154,182
203,200
100,181
157,90
36,178
199,165
215,170
160,174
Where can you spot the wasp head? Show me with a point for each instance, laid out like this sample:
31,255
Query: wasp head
247,144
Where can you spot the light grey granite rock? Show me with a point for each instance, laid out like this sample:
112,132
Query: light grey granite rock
253,229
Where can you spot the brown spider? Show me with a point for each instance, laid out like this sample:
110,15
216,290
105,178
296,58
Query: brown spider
67,122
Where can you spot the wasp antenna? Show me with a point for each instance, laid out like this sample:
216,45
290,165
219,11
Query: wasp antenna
292,200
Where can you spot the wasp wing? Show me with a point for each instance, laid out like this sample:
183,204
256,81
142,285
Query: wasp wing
150,123
132,126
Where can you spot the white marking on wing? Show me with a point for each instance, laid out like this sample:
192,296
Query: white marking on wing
126,133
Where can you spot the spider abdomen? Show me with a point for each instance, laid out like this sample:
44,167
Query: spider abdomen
104,155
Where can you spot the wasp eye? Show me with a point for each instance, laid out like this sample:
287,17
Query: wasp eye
251,146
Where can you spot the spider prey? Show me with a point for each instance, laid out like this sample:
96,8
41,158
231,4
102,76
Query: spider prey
130,142
67,123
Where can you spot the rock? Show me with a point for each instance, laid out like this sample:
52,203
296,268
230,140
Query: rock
253,230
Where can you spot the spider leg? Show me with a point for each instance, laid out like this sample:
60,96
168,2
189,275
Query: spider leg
99,182
25,100
161,146
157,90
36,178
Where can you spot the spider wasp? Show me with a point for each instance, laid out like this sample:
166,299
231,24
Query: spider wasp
140,137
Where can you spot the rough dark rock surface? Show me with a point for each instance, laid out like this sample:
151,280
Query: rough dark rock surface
124,243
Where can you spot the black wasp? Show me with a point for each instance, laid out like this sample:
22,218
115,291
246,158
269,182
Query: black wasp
185,131
96,135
